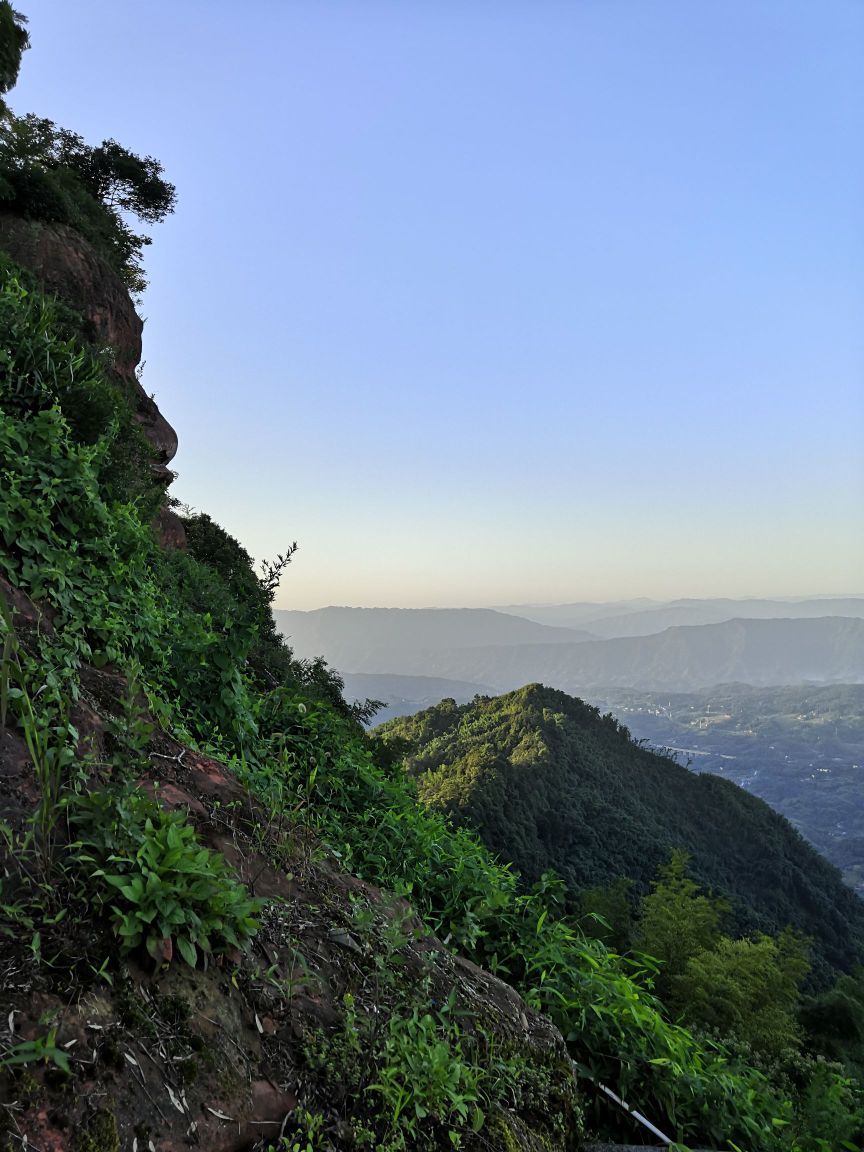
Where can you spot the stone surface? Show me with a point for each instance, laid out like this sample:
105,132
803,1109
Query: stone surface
169,529
68,266
156,428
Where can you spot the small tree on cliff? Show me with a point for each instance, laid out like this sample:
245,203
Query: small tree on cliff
116,177
49,173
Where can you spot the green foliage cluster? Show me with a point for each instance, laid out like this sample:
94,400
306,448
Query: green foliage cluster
163,888
48,736
14,39
408,1081
145,863
419,1069
423,1074
44,364
99,589
748,991
549,783
677,921
835,1019
190,628
49,173
307,1136
747,988
743,988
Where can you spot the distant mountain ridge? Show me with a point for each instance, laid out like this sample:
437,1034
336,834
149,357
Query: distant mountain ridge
759,652
717,611
644,617
405,695
821,650
364,639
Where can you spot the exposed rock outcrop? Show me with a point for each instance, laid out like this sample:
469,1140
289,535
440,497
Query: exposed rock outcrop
169,529
67,266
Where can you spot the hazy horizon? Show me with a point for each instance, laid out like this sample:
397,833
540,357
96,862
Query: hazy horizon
286,599
649,600
306,601
489,304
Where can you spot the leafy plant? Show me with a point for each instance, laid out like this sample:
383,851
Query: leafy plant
308,1127
408,1077
41,1050
163,887
50,739
423,1074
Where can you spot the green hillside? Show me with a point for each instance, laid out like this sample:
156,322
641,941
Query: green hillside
226,919
549,783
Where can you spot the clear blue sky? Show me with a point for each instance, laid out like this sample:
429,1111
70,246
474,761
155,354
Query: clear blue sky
488,302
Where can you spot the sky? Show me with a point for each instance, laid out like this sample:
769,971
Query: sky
489,302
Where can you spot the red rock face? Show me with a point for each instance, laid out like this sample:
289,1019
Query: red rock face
156,428
169,529
66,265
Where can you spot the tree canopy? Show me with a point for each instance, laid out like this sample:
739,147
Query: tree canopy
14,39
677,921
49,173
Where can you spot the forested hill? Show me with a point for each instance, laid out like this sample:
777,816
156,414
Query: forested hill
550,783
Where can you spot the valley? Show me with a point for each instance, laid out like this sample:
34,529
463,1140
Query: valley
801,749
774,704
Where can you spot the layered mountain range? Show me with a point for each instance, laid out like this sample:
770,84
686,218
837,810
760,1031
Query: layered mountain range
766,693
504,651
644,617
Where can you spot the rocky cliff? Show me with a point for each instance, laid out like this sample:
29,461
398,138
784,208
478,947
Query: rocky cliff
67,266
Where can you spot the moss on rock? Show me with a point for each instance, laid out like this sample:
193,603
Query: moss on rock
99,1134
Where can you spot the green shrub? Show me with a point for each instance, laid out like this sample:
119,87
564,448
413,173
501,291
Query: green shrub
164,889
43,364
14,39
48,173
